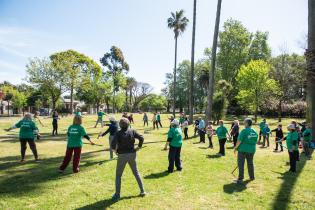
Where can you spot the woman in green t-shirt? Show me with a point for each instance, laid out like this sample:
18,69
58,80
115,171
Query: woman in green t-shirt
307,138
74,145
28,130
222,133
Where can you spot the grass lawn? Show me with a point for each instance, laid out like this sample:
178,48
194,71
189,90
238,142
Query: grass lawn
204,183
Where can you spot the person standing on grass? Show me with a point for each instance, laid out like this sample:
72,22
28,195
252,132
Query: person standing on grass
222,133
27,130
196,124
36,121
77,112
130,118
55,118
158,119
210,133
185,127
124,146
235,131
145,119
100,115
74,145
261,128
202,130
307,138
292,141
279,136
112,130
246,148
174,140
181,118
155,124
266,135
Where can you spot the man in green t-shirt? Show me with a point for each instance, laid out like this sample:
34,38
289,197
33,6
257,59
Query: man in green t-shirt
292,141
222,133
307,138
246,148
100,115
261,128
174,140
28,130
158,119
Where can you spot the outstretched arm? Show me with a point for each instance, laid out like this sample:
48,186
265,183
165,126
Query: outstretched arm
89,139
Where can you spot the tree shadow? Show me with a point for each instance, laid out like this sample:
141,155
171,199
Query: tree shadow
282,199
214,156
157,175
104,204
203,147
235,187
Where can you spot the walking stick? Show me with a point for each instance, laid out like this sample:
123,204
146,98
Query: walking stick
234,170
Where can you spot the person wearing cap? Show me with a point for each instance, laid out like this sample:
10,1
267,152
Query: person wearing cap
246,148
202,130
307,138
112,130
292,140
266,134
100,115
74,145
28,130
261,128
174,140
222,133
124,146
279,136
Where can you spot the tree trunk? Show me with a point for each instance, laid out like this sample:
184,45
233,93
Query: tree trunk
130,98
280,111
126,101
71,99
192,72
213,61
310,56
175,66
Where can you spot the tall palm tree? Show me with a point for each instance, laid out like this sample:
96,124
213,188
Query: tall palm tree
178,23
192,72
310,55
213,60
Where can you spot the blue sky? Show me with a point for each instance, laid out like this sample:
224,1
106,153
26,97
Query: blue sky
37,28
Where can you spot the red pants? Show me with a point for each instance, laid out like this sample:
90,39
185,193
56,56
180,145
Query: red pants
76,159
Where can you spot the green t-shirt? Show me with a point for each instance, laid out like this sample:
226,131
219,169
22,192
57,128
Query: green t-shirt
158,117
27,128
75,134
176,135
248,138
100,115
292,140
222,132
262,126
307,135
181,120
78,113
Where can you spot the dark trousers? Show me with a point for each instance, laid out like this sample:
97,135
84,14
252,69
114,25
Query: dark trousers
155,125
241,156
55,129
145,123
196,131
210,141
32,145
202,135
235,136
265,139
260,135
159,123
186,133
279,144
306,146
76,159
174,157
293,159
222,146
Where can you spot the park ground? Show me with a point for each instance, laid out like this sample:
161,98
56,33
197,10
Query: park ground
204,183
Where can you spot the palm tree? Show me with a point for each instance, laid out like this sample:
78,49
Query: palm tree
192,72
178,23
310,55
213,60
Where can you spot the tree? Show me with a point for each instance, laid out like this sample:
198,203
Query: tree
254,85
259,48
8,95
19,100
213,61
310,55
154,102
192,71
178,23
116,66
44,75
140,91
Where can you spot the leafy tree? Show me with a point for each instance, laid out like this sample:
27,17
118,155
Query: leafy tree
259,48
178,23
8,95
116,66
19,100
254,85
153,102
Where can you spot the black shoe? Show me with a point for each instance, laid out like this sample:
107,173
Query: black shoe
179,169
169,171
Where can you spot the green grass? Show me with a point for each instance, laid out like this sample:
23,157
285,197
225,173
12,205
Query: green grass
204,183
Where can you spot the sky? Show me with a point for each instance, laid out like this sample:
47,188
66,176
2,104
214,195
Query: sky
38,28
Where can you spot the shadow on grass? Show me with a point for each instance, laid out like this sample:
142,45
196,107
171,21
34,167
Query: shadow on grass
23,180
234,187
214,156
104,204
157,175
282,199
